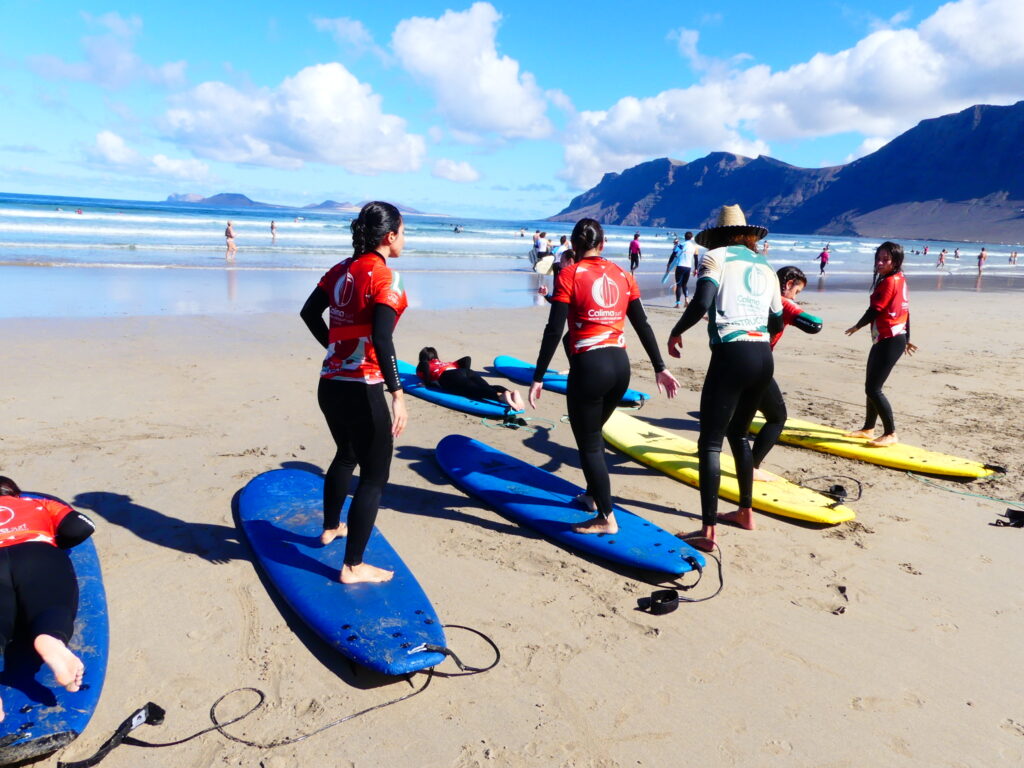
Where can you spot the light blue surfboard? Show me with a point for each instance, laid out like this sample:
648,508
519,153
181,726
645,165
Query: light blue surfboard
412,384
522,372
541,501
376,625
40,716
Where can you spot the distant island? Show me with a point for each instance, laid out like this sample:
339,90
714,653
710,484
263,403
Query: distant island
956,177
238,200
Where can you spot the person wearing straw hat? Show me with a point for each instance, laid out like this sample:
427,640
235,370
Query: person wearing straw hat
739,291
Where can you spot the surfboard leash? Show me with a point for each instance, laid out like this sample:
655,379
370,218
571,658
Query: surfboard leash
153,714
1014,512
835,491
663,601
517,422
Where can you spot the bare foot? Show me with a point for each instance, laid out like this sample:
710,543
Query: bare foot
598,524
863,434
517,401
364,572
764,476
586,501
705,539
742,517
67,668
330,534
884,440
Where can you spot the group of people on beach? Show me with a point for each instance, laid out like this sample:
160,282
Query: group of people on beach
748,306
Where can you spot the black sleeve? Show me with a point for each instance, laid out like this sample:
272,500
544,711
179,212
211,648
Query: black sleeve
465,362
384,319
703,298
74,529
807,322
869,315
775,323
908,327
552,334
312,315
638,319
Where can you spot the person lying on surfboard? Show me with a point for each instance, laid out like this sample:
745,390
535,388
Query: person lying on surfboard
37,581
458,378
792,280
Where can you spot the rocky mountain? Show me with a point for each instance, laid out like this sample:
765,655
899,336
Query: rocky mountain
332,205
957,177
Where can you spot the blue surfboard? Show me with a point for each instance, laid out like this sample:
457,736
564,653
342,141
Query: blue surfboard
40,715
411,383
376,625
522,372
544,502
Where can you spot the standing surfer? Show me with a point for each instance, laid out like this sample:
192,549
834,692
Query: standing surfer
597,297
366,299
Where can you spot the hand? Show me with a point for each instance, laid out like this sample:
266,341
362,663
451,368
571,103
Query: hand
675,346
667,383
851,330
911,348
535,389
399,416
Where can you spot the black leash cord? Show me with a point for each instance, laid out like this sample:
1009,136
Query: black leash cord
721,580
262,697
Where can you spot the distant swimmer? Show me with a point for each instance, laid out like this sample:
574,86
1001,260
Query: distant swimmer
982,258
889,316
956,253
942,259
273,230
634,252
229,236
79,211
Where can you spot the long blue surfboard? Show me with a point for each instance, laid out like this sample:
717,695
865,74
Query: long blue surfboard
378,626
40,715
522,372
487,408
541,501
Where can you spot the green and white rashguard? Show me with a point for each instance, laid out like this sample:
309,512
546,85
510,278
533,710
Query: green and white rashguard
748,291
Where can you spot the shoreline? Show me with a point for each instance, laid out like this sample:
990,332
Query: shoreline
103,291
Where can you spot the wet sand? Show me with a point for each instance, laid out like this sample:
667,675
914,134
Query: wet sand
152,425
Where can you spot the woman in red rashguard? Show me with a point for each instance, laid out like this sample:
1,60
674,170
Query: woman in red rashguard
38,585
597,297
889,316
365,298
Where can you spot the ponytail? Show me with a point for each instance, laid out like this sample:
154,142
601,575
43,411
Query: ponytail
586,235
374,222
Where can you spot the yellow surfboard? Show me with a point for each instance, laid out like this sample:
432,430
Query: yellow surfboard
899,456
677,457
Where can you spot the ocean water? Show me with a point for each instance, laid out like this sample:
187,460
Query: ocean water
123,252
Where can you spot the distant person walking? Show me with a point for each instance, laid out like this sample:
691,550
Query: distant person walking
823,259
982,258
229,236
273,231
942,259
634,252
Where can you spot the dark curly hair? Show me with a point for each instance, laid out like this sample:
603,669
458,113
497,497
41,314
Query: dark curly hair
8,487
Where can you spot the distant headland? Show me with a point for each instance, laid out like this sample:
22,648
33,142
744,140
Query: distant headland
238,200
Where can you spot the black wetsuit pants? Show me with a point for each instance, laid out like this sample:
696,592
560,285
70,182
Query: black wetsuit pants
462,381
597,381
682,278
634,261
38,589
774,409
881,360
734,386
360,423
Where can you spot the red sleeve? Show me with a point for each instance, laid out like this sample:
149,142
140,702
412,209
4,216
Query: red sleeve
386,288
790,311
883,295
57,510
633,288
563,285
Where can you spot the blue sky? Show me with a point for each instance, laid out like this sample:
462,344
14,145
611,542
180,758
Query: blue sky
493,109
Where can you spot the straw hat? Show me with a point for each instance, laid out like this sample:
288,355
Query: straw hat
730,221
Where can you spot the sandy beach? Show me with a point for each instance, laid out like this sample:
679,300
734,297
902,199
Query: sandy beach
151,425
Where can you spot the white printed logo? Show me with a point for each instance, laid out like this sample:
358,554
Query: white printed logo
6,515
343,290
605,292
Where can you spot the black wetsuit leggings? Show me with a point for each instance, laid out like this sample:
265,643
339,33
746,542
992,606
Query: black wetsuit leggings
774,409
737,378
462,381
38,588
881,360
682,278
597,381
360,423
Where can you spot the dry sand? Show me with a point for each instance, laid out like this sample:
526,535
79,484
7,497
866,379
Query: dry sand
151,425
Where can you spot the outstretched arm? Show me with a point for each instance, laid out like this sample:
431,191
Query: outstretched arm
312,315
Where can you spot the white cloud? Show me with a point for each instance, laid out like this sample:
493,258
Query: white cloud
111,151
454,170
866,147
110,58
351,34
322,114
478,91
882,86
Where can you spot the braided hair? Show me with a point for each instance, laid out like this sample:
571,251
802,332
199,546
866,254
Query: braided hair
586,235
374,222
